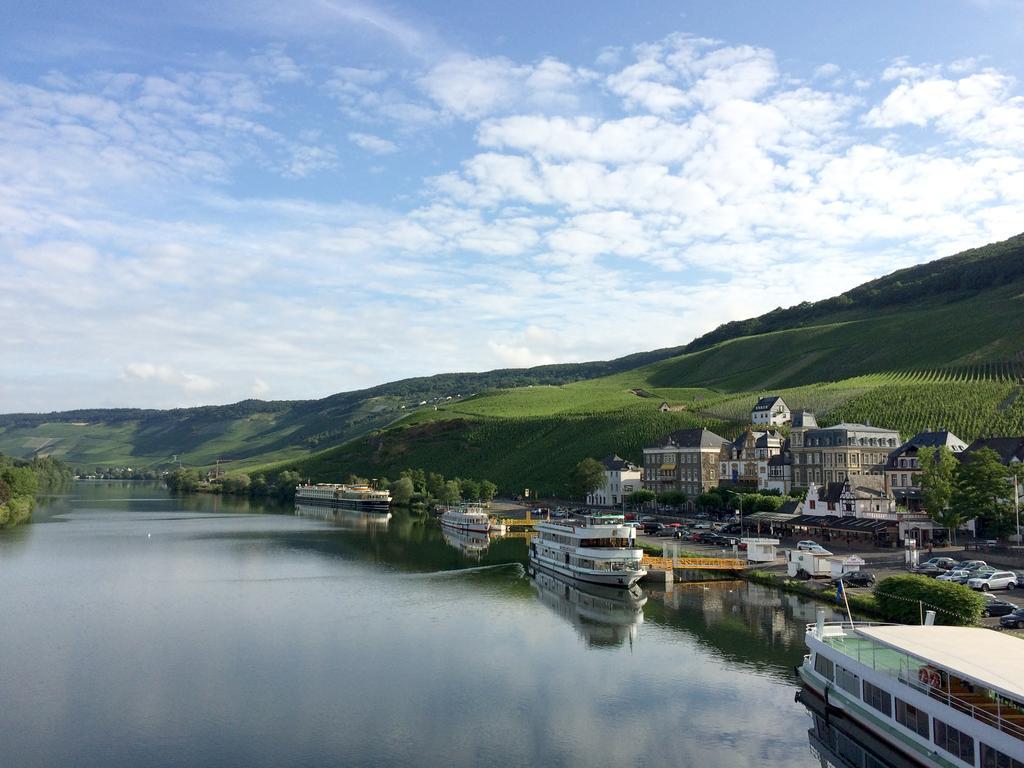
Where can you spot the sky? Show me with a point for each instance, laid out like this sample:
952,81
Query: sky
202,202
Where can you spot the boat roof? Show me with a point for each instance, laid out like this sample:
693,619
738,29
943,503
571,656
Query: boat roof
991,658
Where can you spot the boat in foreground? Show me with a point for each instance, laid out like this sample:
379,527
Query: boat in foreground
599,549
360,498
943,696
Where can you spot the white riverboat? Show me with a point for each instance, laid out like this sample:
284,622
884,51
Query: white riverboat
599,549
943,696
467,518
359,498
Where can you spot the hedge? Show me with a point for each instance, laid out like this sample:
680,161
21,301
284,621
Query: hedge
901,599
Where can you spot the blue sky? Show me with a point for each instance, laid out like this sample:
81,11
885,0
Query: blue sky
211,201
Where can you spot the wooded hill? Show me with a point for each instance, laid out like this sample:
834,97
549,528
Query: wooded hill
939,344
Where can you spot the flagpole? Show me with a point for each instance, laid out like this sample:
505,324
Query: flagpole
849,614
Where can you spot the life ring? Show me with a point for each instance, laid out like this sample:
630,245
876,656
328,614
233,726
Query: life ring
930,677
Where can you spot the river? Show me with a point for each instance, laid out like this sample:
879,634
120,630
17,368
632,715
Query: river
137,629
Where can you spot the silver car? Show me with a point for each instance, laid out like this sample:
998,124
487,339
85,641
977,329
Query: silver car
993,580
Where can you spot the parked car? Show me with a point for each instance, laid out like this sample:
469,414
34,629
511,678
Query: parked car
957,576
928,570
993,580
973,565
858,579
668,533
945,563
996,607
806,544
631,524
1013,620
652,527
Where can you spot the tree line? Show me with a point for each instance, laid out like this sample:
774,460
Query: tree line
417,486
20,480
978,486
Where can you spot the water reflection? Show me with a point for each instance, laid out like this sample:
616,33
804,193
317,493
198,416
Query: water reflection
602,616
472,544
345,518
836,742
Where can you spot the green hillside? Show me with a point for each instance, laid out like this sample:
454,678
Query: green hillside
902,351
254,431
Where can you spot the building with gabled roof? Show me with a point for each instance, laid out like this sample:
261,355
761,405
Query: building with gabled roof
903,467
686,460
621,478
745,460
770,410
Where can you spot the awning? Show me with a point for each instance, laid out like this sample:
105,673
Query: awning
770,517
846,523
668,467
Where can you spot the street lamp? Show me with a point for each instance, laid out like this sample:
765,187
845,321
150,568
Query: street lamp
739,506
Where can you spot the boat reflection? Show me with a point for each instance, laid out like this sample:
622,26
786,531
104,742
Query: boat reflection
602,616
837,742
345,518
472,544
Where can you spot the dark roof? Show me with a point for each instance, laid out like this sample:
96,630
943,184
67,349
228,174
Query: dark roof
767,403
789,507
804,419
690,438
1008,448
780,460
764,437
928,440
848,427
613,463
845,523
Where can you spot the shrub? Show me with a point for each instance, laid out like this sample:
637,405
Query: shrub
901,598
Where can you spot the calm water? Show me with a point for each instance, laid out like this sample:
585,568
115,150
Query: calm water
141,630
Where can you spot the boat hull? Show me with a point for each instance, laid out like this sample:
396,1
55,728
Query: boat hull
471,527
355,505
620,579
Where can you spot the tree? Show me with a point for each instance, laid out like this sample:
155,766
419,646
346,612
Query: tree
638,498
982,491
672,498
435,485
286,483
938,479
402,490
587,477
488,490
469,490
710,501
451,492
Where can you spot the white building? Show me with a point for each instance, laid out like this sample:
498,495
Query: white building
621,478
770,410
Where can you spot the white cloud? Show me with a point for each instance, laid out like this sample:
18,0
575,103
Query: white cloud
373,144
189,382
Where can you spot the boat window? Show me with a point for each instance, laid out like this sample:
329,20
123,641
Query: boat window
911,717
993,758
955,742
877,698
823,666
848,681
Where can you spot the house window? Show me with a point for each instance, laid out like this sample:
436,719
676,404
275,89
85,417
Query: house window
879,699
955,742
911,717
903,480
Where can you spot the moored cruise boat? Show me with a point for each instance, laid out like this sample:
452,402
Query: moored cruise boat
361,498
599,549
943,696
468,518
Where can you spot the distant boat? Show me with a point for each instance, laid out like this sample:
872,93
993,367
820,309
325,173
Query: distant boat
467,518
360,498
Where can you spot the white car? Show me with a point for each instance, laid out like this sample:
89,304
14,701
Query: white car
807,545
960,576
993,580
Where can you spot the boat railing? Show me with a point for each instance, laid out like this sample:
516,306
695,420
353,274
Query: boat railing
979,710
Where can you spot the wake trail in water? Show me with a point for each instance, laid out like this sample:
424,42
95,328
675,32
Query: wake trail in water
517,569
